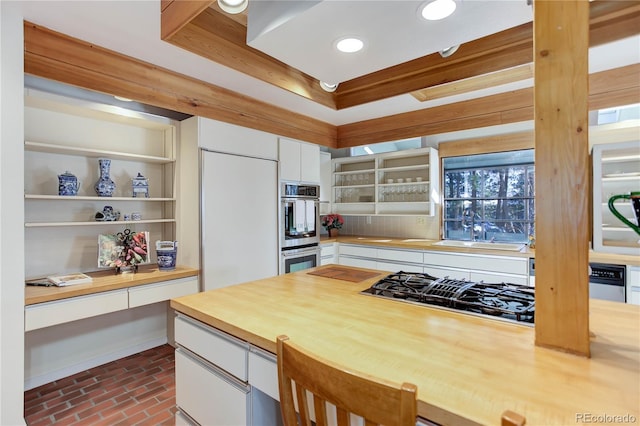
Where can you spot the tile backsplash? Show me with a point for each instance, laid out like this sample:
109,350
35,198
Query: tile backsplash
391,226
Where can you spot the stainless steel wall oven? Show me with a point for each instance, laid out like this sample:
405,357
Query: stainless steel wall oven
299,227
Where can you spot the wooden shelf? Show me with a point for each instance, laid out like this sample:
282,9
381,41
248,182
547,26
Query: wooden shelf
94,223
93,153
92,198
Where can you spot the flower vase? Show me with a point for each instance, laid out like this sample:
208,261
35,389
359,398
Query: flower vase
333,232
105,186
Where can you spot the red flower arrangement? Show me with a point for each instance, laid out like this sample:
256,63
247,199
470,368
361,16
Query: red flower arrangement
332,221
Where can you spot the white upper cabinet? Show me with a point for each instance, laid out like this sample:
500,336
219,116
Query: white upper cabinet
616,172
299,161
397,183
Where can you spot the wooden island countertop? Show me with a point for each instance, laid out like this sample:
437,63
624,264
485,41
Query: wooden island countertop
468,369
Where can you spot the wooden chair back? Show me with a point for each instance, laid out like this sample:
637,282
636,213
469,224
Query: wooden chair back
378,403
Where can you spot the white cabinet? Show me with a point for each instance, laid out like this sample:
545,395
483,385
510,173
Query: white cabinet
477,267
616,171
327,253
325,183
398,183
222,380
208,395
633,285
211,374
299,161
63,134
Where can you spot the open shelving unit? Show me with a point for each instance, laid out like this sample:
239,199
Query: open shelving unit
616,170
64,134
394,184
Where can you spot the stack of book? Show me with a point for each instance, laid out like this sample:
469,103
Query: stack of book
62,280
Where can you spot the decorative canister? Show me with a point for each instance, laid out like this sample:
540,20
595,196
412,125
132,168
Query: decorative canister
105,186
140,185
166,251
68,184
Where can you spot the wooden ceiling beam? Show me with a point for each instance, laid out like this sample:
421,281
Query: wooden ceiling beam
58,57
617,87
215,36
174,14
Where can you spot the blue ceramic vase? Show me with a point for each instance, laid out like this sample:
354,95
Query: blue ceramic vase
105,186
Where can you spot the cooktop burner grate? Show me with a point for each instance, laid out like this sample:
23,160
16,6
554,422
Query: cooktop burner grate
510,301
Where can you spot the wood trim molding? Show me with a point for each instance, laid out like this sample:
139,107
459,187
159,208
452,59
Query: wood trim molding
510,75
506,142
620,86
56,56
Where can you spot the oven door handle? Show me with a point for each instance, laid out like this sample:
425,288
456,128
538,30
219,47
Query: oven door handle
300,252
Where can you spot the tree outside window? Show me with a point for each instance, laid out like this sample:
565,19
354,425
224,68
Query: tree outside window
489,197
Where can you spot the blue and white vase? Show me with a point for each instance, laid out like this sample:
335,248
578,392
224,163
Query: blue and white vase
105,186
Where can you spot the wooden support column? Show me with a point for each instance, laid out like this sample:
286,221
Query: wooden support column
563,190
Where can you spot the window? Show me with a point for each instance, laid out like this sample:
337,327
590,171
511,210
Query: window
489,197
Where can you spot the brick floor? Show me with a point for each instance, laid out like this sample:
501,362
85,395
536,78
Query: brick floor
136,390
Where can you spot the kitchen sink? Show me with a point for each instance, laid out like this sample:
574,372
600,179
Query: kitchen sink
480,245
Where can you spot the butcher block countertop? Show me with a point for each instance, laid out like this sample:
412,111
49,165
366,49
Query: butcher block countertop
427,244
106,281
468,369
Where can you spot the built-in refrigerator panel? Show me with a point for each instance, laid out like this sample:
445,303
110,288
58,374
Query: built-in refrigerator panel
239,202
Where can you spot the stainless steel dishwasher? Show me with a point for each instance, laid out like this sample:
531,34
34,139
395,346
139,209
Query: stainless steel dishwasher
606,281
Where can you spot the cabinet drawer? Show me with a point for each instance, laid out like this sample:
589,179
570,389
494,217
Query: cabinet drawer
152,293
396,267
498,278
361,251
327,250
263,372
61,311
507,265
401,255
223,350
437,272
207,395
358,263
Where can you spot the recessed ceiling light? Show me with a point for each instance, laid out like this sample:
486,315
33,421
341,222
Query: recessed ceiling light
438,9
328,87
349,45
233,6
123,99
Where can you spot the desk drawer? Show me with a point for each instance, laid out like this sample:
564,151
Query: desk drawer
165,290
60,311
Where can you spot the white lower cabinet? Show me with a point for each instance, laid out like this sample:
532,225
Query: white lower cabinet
209,395
633,285
222,380
165,290
327,253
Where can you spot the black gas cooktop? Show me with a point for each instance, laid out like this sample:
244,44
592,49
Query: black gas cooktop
507,301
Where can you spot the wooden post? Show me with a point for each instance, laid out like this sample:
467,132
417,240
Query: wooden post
563,190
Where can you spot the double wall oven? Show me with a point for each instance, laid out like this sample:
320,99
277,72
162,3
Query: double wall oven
299,226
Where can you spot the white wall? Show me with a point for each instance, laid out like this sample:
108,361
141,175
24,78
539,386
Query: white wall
11,215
